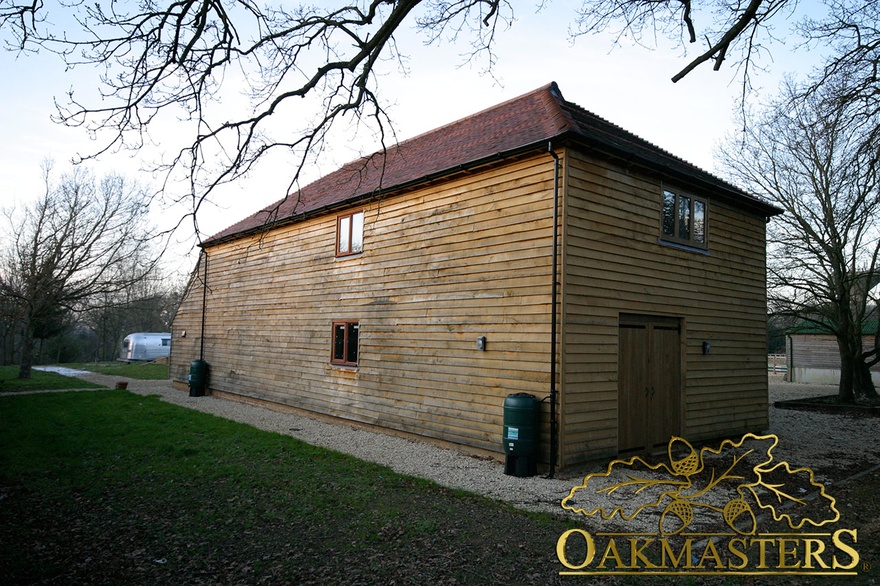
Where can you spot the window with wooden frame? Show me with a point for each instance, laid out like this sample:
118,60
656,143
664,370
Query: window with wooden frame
345,343
350,233
685,219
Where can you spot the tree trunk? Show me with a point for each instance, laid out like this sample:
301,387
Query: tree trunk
848,366
846,384
855,374
27,352
864,384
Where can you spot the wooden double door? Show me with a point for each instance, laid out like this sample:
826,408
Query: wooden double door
649,382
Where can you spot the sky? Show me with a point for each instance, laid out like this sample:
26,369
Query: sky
627,85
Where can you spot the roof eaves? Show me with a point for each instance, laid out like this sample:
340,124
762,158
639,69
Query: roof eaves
594,130
495,158
680,171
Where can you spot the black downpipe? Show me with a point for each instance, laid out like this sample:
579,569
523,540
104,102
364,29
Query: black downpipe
554,432
204,307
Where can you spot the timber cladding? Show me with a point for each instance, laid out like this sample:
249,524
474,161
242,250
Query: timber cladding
441,266
814,357
614,264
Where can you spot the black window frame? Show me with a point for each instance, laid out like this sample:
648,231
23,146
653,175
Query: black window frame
341,353
681,233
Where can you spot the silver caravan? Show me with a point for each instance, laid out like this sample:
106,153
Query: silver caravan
145,346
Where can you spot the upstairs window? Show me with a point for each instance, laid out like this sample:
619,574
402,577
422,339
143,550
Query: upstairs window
685,219
350,234
345,343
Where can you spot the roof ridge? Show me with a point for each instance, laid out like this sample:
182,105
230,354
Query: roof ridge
546,87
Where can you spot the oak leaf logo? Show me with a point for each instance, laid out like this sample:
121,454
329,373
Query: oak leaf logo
734,480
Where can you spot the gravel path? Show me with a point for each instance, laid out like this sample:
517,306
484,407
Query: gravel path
810,439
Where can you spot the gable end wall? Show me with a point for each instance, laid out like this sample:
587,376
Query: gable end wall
614,264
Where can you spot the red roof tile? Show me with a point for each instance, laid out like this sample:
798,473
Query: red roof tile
529,121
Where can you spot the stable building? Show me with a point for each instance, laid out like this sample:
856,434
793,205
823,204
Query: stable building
813,356
532,247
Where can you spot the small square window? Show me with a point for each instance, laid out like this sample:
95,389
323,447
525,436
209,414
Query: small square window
345,343
685,219
350,233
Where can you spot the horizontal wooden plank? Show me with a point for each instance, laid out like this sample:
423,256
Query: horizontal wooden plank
615,263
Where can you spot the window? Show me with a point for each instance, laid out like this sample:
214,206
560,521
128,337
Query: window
345,343
350,234
684,219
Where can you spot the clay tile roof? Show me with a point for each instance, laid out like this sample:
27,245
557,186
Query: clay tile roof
524,123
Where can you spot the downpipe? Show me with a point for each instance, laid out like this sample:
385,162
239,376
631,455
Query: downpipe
204,307
554,425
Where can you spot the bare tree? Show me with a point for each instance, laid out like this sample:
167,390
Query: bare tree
727,30
852,31
806,155
184,56
70,248
180,58
741,33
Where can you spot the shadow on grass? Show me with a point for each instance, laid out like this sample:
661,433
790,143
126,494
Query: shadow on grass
112,487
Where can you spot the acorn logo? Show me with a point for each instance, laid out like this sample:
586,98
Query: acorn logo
737,486
731,481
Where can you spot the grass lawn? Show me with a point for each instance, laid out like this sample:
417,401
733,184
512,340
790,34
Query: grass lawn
47,381
39,381
112,488
137,370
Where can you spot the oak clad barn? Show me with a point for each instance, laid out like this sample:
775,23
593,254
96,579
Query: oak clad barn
413,290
